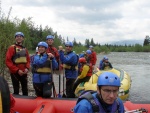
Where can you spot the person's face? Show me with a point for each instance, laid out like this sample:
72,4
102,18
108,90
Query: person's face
50,41
68,48
108,93
19,39
41,49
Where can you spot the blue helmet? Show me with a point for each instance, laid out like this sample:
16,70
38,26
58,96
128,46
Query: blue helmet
19,33
50,37
90,46
108,79
69,44
88,51
44,44
105,58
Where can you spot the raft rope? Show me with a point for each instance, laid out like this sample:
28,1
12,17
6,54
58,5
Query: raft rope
142,110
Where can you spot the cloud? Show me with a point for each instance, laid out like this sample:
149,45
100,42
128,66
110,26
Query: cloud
102,20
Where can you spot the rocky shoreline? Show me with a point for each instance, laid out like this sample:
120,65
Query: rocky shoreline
31,91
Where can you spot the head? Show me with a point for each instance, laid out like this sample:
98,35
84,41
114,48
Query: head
42,46
69,46
105,59
50,40
19,37
82,60
108,87
88,52
91,47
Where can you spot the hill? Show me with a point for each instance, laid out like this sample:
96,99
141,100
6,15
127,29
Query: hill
127,42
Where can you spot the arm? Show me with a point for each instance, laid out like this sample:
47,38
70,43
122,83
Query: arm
40,61
84,72
9,63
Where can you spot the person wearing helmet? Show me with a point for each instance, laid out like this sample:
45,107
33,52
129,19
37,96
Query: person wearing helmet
51,48
101,62
85,72
18,62
93,58
88,56
70,63
106,64
105,100
43,65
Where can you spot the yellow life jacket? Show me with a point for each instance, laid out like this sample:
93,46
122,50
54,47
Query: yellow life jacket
67,66
46,69
20,55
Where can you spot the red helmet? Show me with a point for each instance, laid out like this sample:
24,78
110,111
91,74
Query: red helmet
82,60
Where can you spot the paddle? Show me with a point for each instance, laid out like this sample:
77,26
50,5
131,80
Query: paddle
54,90
64,95
59,95
142,110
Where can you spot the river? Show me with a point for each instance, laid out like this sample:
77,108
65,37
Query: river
137,65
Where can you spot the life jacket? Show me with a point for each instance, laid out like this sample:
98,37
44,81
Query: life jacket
46,69
20,55
89,72
71,66
96,106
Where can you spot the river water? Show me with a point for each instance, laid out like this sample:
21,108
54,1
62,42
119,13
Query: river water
137,65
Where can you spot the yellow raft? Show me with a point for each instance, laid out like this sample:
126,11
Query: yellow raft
92,83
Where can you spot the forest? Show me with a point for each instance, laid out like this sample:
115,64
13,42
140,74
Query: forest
35,33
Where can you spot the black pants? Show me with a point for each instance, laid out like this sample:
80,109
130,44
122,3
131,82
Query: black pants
69,88
78,81
38,89
16,79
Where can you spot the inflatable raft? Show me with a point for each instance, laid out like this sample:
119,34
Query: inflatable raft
92,83
25,104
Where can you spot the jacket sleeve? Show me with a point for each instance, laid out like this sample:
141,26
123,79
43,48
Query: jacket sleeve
9,63
40,61
54,63
84,72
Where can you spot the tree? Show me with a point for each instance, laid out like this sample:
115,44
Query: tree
146,41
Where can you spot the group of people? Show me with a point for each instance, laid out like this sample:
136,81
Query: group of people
77,69
47,59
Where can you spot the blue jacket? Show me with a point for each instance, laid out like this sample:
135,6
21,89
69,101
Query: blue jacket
39,63
71,59
100,64
84,106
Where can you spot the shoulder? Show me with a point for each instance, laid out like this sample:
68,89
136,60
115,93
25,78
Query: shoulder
83,106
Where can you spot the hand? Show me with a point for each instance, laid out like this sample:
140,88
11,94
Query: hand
50,55
26,71
20,72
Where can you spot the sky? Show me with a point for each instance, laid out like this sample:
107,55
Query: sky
103,20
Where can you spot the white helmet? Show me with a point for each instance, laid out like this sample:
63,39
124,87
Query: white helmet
36,50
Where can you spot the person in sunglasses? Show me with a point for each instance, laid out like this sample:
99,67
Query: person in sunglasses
105,100
69,60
